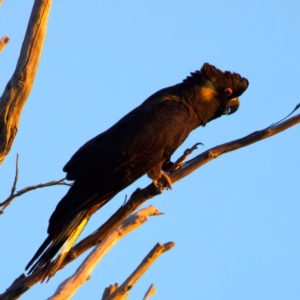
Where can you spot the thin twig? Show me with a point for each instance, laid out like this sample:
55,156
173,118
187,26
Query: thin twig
297,107
13,189
13,195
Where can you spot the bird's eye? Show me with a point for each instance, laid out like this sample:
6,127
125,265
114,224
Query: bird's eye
228,91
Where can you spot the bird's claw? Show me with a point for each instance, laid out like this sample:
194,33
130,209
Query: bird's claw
179,162
163,182
190,150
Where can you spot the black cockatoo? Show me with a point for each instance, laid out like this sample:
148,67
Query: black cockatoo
140,143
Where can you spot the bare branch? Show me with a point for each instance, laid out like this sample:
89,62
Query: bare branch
4,41
13,195
19,86
151,291
215,152
23,283
140,270
69,287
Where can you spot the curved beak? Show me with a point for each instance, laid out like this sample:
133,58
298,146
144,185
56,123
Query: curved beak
232,106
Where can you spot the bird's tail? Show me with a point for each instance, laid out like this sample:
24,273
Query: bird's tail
64,239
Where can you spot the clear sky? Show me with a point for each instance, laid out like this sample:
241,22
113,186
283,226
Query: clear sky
235,221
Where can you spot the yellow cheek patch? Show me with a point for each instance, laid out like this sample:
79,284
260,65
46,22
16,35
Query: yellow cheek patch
207,94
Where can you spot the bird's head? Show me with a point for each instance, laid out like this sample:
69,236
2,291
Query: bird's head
225,86
216,92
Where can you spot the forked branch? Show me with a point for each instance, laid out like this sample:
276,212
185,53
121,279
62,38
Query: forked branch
15,194
128,284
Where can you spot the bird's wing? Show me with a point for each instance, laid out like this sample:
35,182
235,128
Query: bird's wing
114,159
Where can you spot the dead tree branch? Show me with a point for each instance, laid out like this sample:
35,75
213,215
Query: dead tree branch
140,270
13,195
23,283
69,287
5,203
19,86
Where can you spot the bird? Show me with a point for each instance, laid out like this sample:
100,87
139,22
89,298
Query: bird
142,142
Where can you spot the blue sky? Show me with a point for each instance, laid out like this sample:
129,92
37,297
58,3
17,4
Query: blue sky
236,220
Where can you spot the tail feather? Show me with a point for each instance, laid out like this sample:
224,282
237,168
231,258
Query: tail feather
53,267
38,253
64,239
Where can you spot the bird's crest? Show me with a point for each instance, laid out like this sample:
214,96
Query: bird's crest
219,79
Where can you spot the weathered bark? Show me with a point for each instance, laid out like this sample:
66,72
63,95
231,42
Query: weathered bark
19,86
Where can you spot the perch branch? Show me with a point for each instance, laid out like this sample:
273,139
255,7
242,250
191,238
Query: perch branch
69,287
141,195
215,152
23,283
19,86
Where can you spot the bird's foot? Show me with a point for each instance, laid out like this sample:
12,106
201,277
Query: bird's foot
163,181
179,162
